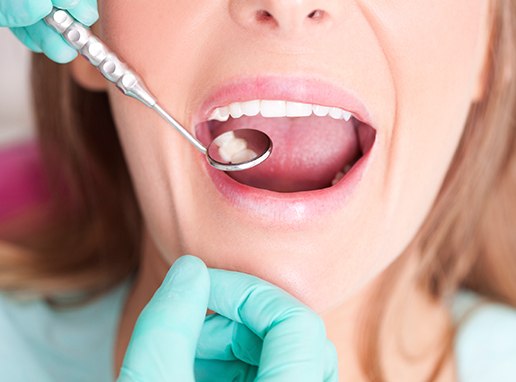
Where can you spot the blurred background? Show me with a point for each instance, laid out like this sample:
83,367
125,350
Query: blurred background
21,184
15,111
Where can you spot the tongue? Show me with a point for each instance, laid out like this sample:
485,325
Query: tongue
307,154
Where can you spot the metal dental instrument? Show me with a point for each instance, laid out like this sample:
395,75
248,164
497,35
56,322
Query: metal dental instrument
253,146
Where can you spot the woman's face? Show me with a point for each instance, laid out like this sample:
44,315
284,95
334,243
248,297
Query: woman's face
407,71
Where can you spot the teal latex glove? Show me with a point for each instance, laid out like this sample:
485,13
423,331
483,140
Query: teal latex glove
25,19
260,332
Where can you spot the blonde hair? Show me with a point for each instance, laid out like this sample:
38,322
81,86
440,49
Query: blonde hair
94,239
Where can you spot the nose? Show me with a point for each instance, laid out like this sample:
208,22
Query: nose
287,16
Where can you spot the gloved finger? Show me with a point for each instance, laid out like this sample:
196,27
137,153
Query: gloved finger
226,340
294,337
21,13
162,346
22,35
85,12
65,4
51,43
331,362
224,371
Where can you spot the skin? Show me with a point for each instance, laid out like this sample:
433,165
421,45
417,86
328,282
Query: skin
416,64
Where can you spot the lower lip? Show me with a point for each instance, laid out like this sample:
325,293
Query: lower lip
288,209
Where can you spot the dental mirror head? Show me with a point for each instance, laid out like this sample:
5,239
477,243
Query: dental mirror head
239,150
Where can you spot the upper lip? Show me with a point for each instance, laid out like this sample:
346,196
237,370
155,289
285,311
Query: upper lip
295,89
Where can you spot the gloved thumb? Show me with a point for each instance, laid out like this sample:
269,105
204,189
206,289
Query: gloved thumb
164,340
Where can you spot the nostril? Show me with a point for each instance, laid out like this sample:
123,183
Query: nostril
287,19
264,16
316,15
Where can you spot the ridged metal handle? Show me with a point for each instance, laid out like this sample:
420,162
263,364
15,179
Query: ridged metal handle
99,55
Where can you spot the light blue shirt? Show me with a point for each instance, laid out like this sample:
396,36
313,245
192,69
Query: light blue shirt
486,342
39,343
42,344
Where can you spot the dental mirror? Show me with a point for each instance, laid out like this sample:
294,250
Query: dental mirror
238,150
234,150
231,151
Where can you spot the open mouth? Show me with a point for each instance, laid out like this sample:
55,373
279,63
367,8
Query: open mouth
315,146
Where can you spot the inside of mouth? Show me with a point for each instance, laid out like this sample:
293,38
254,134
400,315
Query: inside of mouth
309,153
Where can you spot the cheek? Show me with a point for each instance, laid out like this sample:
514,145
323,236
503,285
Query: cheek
151,147
160,40
435,50
435,62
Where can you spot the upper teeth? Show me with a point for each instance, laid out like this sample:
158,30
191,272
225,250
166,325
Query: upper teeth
276,109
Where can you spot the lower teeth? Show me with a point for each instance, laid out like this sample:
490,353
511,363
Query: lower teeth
340,175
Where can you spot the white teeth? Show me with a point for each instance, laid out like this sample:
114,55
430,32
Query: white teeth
277,109
336,113
346,115
273,109
321,111
340,175
220,114
298,109
232,149
251,108
235,110
222,139
243,156
337,178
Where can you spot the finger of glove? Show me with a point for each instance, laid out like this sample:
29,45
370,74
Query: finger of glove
85,12
51,43
224,371
162,346
65,4
331,363
22,35
224,339
294,336
21,13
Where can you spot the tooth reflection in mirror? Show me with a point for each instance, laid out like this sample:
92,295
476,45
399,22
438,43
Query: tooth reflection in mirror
239,149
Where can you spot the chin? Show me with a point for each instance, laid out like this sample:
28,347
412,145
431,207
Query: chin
321,280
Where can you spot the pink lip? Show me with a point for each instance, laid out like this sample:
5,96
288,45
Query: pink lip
275,209
307,90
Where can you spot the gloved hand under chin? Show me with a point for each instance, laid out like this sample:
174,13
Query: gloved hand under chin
25,19
260,332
